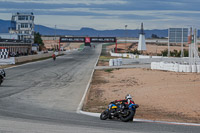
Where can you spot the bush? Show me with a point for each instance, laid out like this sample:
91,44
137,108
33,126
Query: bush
175,53
165,52
108,70
135,51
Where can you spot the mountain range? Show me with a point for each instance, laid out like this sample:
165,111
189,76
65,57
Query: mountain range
4,24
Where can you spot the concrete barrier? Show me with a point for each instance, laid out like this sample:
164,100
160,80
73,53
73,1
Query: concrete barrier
198,68
115,62
175,67
119,61
7,61
32,57
194,68
188,68
111,63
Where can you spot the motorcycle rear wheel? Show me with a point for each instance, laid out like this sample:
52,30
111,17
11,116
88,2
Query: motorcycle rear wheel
127,117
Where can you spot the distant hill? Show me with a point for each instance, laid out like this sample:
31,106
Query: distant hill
4,24
92,32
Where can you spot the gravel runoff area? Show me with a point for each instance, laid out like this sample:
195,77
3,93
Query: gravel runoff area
163,96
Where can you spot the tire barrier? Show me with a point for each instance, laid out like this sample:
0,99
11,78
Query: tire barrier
115,62
175,67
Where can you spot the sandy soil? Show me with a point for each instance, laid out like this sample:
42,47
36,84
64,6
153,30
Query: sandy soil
166,96
49,44
6,66
151,48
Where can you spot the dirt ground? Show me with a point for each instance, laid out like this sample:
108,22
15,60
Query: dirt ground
165,96
6,66
152,49
49,44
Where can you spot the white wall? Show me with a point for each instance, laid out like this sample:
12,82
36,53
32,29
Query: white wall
175,67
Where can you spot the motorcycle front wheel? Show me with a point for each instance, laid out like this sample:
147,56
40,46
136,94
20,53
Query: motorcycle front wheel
104,115
1,80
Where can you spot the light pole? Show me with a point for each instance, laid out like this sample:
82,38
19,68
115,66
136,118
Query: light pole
56,44
125,37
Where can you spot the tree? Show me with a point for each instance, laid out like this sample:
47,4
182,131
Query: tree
154,36
38,40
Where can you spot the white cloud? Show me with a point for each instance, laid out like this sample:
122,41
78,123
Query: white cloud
88,2
98,17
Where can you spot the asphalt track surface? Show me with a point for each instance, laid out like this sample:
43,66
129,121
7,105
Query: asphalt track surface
43,97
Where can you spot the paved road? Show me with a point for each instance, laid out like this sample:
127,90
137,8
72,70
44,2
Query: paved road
44,96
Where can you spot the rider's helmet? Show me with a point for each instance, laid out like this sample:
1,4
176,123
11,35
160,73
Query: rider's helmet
128,96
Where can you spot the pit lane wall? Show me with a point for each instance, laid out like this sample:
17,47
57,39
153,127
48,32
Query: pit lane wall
32,57
21,59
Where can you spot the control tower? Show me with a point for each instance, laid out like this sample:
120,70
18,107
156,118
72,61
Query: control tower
142,43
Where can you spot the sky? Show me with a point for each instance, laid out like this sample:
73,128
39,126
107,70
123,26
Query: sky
107,14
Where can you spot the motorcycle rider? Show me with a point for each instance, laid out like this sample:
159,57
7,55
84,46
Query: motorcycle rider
54,56
128,100
125,103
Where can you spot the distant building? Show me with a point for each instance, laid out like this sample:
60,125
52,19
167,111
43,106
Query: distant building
20,38
22,24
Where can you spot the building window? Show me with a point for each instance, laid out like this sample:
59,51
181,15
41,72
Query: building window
26,32
21,17
24,25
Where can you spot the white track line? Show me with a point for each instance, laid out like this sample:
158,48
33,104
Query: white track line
142,120
80,106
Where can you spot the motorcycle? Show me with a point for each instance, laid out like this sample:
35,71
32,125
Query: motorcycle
54,57
120,111
2,75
